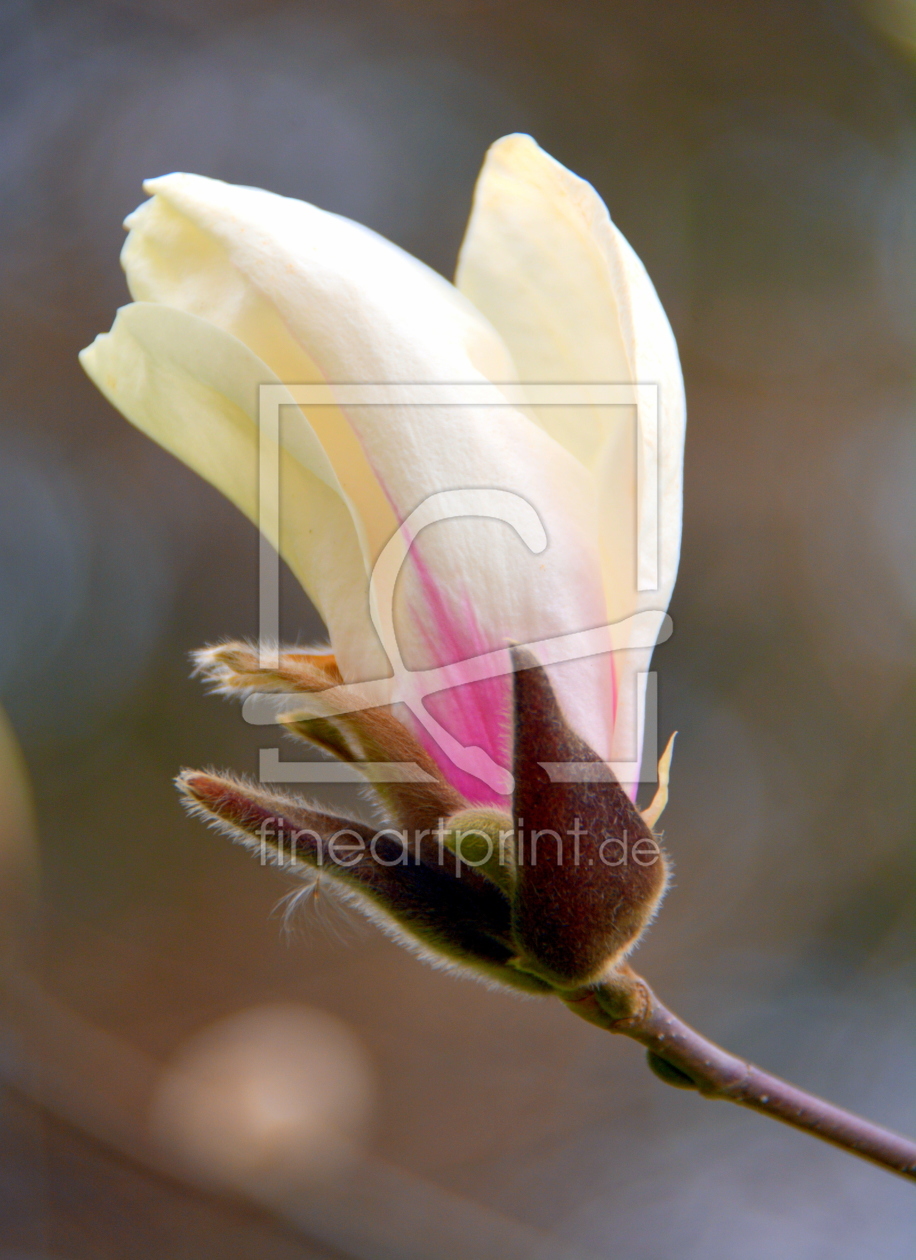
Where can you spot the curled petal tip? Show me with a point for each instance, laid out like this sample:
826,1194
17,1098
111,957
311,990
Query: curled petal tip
656,807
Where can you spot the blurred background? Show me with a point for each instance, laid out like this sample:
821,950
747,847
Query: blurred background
323,1093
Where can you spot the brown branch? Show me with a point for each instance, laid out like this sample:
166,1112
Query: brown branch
679,1055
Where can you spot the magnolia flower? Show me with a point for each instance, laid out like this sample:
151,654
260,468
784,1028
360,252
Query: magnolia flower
236,288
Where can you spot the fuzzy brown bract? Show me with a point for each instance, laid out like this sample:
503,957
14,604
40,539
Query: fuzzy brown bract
551,899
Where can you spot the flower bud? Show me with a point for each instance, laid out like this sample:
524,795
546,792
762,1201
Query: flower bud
484,839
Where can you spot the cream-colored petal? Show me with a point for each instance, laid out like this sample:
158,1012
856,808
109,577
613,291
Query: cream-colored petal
194,389
534,264
362,310
169,258
543,261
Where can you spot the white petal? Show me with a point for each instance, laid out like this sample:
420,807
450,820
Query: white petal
534,264
543,261
362,310
169,258
194,389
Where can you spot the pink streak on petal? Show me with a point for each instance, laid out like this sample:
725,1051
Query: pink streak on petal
476,712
